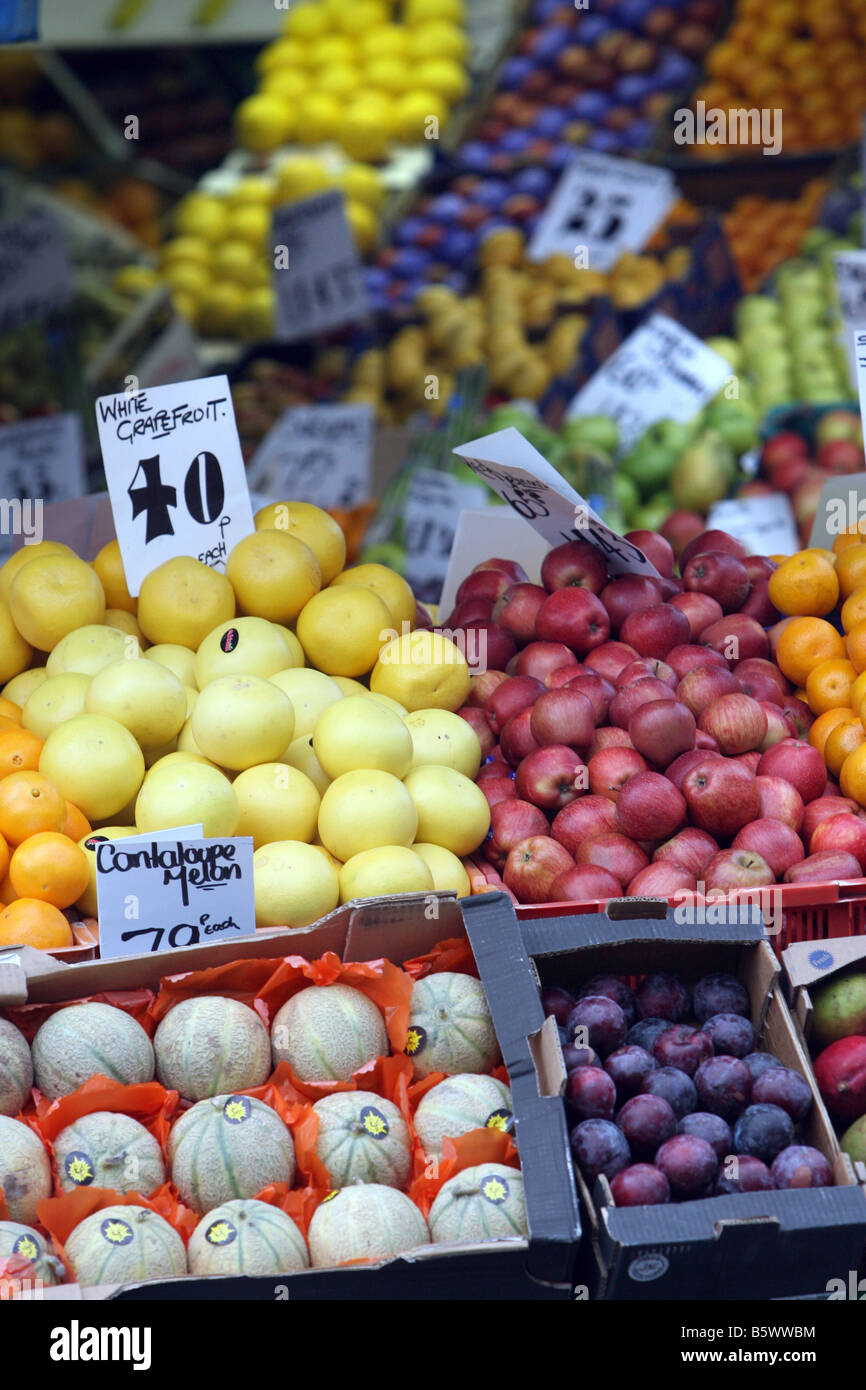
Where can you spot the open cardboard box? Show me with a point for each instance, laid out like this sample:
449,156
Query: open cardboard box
751,1245
538,1267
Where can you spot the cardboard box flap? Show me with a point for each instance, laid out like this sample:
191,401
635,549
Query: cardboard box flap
19,964
808,961
546,1051
728,1217
370,933
549,935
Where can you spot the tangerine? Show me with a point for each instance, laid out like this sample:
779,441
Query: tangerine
804,643
50,867
30,922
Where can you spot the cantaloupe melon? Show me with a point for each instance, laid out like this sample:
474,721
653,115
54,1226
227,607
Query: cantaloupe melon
211,1046
16,1069
228,1146
450,1028
27,1244
25,1173
367,1221
247,1237
460,1104
85,1040
362,1138
483,1203
108,1149
326,1033
122,1245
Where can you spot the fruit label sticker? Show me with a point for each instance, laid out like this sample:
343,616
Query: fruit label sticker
318,275
765,525
162,894
600,208
175,474
374,1122
430,515
221,1233
317,453
661,371
524,479
41,461
35,279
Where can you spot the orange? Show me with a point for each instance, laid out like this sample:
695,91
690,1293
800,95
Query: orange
828,685
854,608
76,825
858,691
19,751
803,644
855,646
825,724
10,709
29,803
50,867
843,740
805,585
851,568
6,722
7,892
852,775
29,922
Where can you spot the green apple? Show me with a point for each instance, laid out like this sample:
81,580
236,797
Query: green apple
704,473
625,494
652,515
649,466
728,348
754,309
597,431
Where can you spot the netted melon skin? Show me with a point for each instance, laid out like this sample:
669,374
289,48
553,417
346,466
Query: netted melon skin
450,1028
22,1241
326,1033
247,1237
211,1046
363,1138
368,1221
108,1149
227,1147
460,1104
123,1245
16,1069
84,1040
482,1203
25,1172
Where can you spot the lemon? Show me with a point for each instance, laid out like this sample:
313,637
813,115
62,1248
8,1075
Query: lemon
422,670
142,696
15,653
289,83
276,802
52,596
440,737
238,721
285,53
334,50
253,191
300,177
185,248
22,557
185,305
255,321
242,647
89,648
251,223
364,224
306,22
182,600
438,39
310,692
87,902
452,811
293,884
22,686
363,184
424,11
363,132
342,629
449,875
237,261
390,587
273,575
419,115
362,16
385,41
135,280
341,81
357,733
365,810
93,762
179,660
187,277
201,215
443,76
300,754
54,701
125,622
263,122
219,306
392,75
317,117
311,525
186,792
384,872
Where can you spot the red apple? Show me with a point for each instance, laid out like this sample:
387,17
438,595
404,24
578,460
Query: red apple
583,819
483,584
576,564
670,588
829,866
759,605
721,796
778,800
704,685
840,456
722,576
551,777
482,687
823,807
640,692
510,822
645,666
759,567
661,731
576,617
775,632
423,619
754,674
690,656
700,610
736,637
540,658
609,659
532,866
478,721
680,528
789,474
775,841
842,832
496,789
750,759
516,573
486,644
735,721
658,551
654,631
597,690
470,610
629,593
682,765
554,680
563,716
517,609
609,771
780,725
799,763
517,740
509,698
662,880
783,445
614,852
609,737
800,713
712,540
649,807
584,883
691,848
737,868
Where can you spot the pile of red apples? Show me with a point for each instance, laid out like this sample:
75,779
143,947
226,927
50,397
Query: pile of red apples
637,736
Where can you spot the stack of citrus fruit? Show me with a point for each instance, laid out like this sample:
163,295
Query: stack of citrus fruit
289,700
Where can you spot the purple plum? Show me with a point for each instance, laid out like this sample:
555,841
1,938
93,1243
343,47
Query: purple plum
724,1086
688,1163
646,1121
641,1185
720,994
599,1146
731,1034
675,1087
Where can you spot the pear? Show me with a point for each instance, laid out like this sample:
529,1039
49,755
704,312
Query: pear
839,1009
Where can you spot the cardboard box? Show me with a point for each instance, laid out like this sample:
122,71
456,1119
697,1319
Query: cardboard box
752,1245
538,1267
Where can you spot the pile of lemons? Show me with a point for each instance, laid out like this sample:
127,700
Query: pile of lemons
289,699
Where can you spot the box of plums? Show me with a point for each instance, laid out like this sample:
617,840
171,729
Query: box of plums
705,1161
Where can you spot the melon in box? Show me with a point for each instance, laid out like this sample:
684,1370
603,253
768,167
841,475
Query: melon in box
368,1221
25,1173
326,1033
482,1203
247,1237
17,1240
226,1147
108,1149
450,1028
16,1069
362,1138
84,1040
460,1104
211,1046
123,1245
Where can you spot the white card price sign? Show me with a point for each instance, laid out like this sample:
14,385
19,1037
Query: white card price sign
661,371
318,277
765,525
175,474
35,279
433,505
524,479
317,453
605,206
164,894
41,461
850,269
860,381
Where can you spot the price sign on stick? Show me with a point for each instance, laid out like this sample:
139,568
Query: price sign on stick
317,453
765,525
175,474
603,206
318,276
35,279
433,506
41,461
